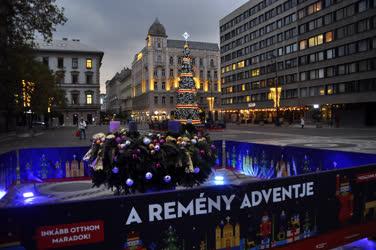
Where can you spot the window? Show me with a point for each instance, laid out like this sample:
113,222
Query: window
155,99
211,63
75,98
322,90
60,62
179,60
320,56
89,98
303,92
363,45
45,60
155,85
74,78
89,63
163,72
241,64
362,5
201,62
171,100
352,68
89,78
329,71
215,74
303,44
163,100
330,54
316,40
328,37
313,8
163,85
74,63
171,72
328,19
171,60
255,72
363,25
201,74
291,48
321,73
303,76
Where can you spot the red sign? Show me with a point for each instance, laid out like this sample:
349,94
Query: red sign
64,235
366,177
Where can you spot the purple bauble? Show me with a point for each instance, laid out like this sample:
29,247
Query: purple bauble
157,165
162,141
148,175
157,147
115,170
167,179
118,139
212,147
129,182
196,170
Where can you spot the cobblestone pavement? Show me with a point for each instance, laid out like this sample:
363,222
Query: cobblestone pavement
359,139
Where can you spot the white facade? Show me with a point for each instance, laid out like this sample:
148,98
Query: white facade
77,67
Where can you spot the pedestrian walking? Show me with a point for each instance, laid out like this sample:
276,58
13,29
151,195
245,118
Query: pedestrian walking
302,122
82,128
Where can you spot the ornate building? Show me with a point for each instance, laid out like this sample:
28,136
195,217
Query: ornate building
228,236
155,72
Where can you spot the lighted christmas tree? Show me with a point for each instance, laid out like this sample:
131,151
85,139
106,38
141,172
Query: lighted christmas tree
171,241
186,104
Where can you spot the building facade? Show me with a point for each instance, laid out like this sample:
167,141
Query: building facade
155,75
77,67
118,91
288,58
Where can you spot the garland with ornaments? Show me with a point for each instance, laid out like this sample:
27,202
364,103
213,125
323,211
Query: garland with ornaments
129,163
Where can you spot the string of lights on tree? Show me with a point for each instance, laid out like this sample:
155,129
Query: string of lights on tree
186,104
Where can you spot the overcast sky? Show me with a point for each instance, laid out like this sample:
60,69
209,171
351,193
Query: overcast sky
119,27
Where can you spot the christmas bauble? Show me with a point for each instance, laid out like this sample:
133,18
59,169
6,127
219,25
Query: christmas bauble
167,178
146,141
129,182
196,170
115,170
148,175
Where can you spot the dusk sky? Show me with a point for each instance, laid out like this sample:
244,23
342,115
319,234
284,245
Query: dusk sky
119,28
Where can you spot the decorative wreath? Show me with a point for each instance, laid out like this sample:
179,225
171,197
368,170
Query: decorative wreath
129,163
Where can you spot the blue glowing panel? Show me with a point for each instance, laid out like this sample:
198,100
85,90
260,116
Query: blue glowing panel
269,161
218,146
48,163
8,170
363,244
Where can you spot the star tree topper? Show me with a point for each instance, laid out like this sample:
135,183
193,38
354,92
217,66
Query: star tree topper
186,36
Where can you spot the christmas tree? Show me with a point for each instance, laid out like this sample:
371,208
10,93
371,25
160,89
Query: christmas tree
171,241
186,105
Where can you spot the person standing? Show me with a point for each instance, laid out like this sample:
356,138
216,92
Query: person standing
302,122
82,128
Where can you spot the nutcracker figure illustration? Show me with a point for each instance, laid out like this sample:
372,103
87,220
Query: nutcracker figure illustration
345,198
265,231
281,236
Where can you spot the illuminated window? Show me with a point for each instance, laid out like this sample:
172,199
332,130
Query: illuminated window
320,39
248,98
139,56
227,68
243,87
303,44
322,90
89,98
329,36
255,72
223,70
234,66
311,42
230,89
241,64
89,63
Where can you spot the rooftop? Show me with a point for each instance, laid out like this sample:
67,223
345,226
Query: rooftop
192,45
65,45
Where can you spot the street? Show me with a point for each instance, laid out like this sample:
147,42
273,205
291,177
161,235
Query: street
347,139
